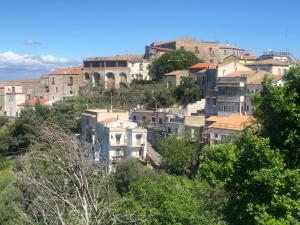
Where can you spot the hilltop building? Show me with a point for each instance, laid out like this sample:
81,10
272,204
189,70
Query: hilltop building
114,71
211,52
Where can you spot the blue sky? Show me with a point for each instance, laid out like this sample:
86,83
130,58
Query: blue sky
38,35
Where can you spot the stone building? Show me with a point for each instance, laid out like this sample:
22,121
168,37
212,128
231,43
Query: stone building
173,79
114,71
63,82
212,52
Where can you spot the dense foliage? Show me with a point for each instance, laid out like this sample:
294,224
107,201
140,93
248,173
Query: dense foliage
188,91
170,61
278,112
178,154
163,199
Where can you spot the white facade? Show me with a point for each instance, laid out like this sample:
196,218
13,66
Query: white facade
139,70
120,139
10,97
12,104
217,136
226,68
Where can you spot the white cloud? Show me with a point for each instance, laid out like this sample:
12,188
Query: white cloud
20,66
31,42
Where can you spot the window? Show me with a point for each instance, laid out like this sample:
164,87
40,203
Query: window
169,130
86,76
196,50
70,81
139,139
169,84
71,92
134,118
144,118
210,51
225,52
118,139
216,135
141,67
53,81
160,121
56,89
153,119
182,48
279,71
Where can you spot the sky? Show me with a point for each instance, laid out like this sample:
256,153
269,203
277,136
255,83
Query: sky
39,35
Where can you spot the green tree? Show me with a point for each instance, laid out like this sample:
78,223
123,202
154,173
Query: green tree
278,113
188,91
159,98
163,199
170,61
178,154
3,121
260,189
128,172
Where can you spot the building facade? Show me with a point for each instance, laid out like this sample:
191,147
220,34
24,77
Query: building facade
211,52
114,71
235,91
219,128
63,82
11,96
111,136
173,79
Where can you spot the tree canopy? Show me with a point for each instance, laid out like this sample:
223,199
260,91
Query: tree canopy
170,61
278,112
178,154
188,91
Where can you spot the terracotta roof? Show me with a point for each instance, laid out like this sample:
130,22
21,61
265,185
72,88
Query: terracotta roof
271,62
13,83
131,58
254,77
2,85
201,66
34,101
108,121
232,122
177,73
67,71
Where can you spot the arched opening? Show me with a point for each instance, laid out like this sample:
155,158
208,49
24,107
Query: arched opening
96,77
123,78
110,77
86,76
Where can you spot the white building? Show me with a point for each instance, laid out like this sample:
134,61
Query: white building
110,135
119,139
11,96
235,91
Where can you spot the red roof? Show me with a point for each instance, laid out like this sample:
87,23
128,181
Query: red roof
67,71
201,66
